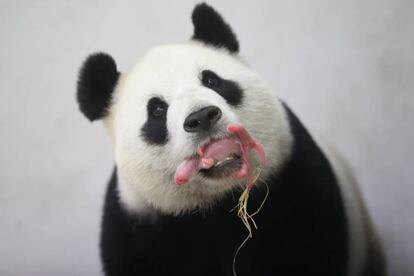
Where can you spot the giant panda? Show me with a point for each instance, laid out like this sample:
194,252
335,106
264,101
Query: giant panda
167,213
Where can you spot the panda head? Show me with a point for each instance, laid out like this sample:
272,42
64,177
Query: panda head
176,99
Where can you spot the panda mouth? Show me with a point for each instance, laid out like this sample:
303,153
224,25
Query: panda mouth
225,157
223,168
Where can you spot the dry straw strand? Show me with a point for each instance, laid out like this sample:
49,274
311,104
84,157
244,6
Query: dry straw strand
244,215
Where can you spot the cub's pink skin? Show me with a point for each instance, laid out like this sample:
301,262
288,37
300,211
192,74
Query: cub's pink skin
240,143
247,144
247,141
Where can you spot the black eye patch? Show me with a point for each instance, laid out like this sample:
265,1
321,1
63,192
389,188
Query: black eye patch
228,89
155,130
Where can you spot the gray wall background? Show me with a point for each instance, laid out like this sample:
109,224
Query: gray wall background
345,67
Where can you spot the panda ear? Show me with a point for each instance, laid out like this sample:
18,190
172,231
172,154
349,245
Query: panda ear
97,80
210,28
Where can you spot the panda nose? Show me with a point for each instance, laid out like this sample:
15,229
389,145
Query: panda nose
203,119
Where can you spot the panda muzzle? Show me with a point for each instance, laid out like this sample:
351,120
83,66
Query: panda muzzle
217,152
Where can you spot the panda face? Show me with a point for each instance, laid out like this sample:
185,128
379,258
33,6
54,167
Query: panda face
148,115
176,100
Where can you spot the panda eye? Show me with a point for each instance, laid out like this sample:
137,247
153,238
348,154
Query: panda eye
210,79
157,108
158,111
211,82
228,89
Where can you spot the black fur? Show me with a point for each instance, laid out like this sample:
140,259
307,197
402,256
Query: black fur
228,89
155,130
210,28
301,228
97,80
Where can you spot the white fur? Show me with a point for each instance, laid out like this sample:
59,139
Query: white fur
145,172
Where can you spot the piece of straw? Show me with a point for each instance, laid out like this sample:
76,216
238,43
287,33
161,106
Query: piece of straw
243,213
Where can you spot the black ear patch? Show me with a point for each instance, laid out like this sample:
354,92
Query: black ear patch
210,28
97,79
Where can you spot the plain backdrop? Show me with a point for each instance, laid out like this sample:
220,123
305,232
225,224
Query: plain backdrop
345,67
